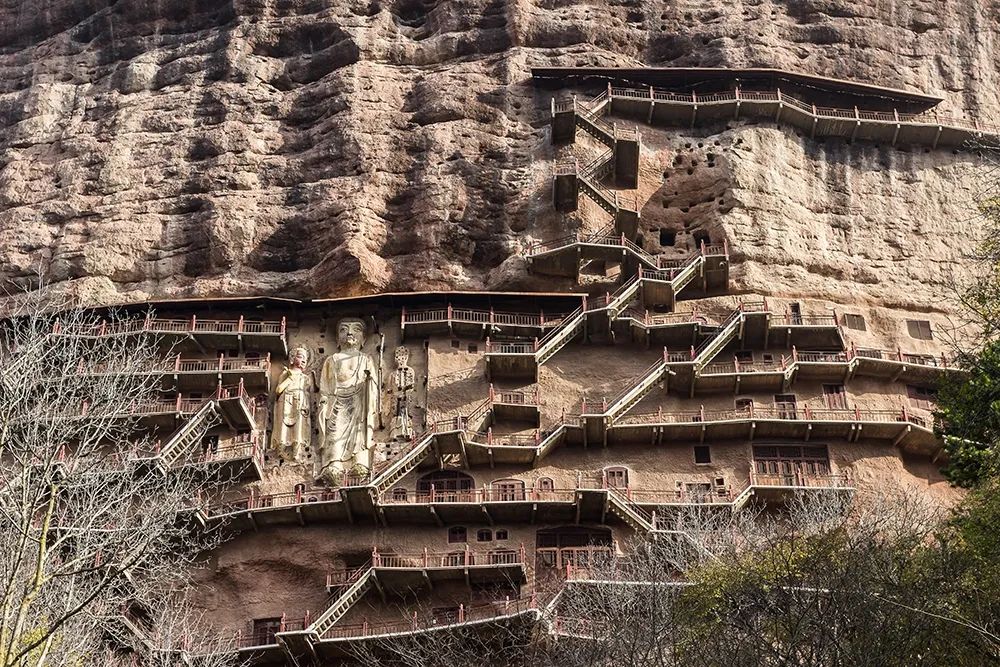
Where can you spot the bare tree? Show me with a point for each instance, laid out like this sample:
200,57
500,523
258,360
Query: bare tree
94,525
825,579
824,582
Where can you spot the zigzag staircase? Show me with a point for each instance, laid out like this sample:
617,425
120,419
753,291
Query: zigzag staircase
550,441
354,591
688,272
559,337
395,470
627,399
189,434
644,522
298,643
590,177
708,350
711,347
592,123
743,497
636,517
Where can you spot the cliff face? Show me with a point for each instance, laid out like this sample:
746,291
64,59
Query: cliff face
324,148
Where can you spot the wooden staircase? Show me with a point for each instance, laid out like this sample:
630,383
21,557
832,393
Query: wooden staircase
559,337
399,468
190,433
354,590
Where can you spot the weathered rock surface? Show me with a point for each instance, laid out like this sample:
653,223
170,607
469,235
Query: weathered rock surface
322,147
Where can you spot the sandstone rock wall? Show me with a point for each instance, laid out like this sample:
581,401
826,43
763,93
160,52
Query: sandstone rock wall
319,147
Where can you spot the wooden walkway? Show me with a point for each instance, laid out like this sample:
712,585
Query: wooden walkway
892,128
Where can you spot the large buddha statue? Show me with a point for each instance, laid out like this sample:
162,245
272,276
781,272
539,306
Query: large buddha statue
348,395
290,430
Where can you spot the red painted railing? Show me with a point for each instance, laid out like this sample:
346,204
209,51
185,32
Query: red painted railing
472,316
164,325
798,413
485,495
420,560
417,623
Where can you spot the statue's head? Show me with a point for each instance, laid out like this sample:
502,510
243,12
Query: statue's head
402,356
299,357
351,333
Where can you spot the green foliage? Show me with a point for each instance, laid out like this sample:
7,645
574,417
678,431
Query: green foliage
973,540
970,413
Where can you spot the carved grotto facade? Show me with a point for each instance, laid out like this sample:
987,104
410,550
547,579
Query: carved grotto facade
413,462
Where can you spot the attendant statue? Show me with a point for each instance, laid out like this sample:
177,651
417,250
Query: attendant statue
290,431
400,391
347,403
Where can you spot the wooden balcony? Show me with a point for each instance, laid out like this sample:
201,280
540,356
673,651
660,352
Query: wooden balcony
239,459
818,332
473,323
255,511
444,507
516,406
781,488
194,334
883,127
335,643
235,405
803,424
408,572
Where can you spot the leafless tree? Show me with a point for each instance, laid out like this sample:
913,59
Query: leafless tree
93,527
823,580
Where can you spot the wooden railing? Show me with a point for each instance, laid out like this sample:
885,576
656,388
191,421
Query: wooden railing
421,560
776,96
417,623
484,495
164,325
799,478
798,413
249,638
514,397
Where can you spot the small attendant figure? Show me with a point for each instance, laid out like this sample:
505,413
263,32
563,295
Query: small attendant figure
291,429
